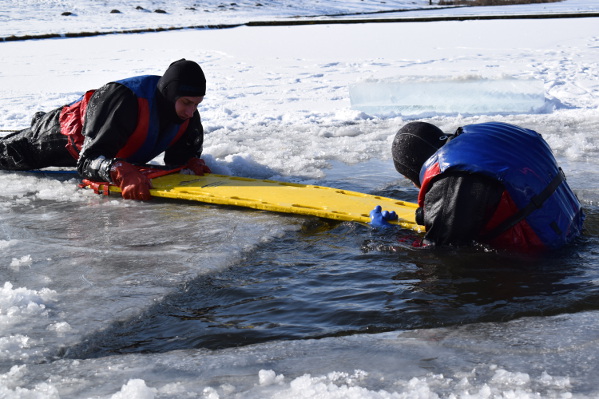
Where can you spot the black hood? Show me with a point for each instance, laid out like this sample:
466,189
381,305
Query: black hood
183,78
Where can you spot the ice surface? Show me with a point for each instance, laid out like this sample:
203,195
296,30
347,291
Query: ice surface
521,359
414,96
277,107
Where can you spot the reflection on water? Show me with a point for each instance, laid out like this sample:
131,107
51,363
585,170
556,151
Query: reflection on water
340,279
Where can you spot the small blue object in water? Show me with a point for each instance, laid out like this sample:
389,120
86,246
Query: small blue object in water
380,218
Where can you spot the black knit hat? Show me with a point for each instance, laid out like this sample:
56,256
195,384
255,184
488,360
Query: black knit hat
414,143
183,78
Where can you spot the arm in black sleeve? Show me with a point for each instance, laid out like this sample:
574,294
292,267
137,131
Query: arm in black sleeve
110,119
457,207
190,145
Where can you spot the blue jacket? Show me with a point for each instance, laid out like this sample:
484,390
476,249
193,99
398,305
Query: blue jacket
146,142
538,208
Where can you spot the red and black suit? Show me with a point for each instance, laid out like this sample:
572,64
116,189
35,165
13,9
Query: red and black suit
128,119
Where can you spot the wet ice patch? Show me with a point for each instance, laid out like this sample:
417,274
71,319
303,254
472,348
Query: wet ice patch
24,188
11,347
492,382
62,191
11,386
19,306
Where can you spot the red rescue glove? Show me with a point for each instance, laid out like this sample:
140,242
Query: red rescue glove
197,166
133,184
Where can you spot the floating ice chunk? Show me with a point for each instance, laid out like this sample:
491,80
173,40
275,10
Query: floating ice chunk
19,303
135,389
426,96
60,327
23,261
269,377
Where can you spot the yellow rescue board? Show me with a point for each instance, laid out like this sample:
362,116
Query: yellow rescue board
276,196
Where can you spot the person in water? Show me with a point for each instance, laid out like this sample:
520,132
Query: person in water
491,183
109,130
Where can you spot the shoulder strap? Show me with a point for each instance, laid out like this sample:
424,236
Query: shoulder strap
535,203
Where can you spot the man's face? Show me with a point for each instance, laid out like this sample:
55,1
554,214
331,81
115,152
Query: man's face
186,106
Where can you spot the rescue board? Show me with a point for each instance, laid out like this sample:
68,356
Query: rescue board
275,196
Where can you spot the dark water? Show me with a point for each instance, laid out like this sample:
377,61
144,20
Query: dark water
335,279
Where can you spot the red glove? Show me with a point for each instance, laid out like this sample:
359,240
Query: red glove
133,184
197,166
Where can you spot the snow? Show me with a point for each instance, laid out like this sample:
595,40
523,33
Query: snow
278,106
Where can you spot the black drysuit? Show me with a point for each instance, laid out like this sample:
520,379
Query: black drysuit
110,119
457,206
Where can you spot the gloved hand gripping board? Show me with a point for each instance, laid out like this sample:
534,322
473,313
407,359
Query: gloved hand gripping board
274,196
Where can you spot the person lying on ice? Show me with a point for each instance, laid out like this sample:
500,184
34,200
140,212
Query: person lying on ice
491,183
126,122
